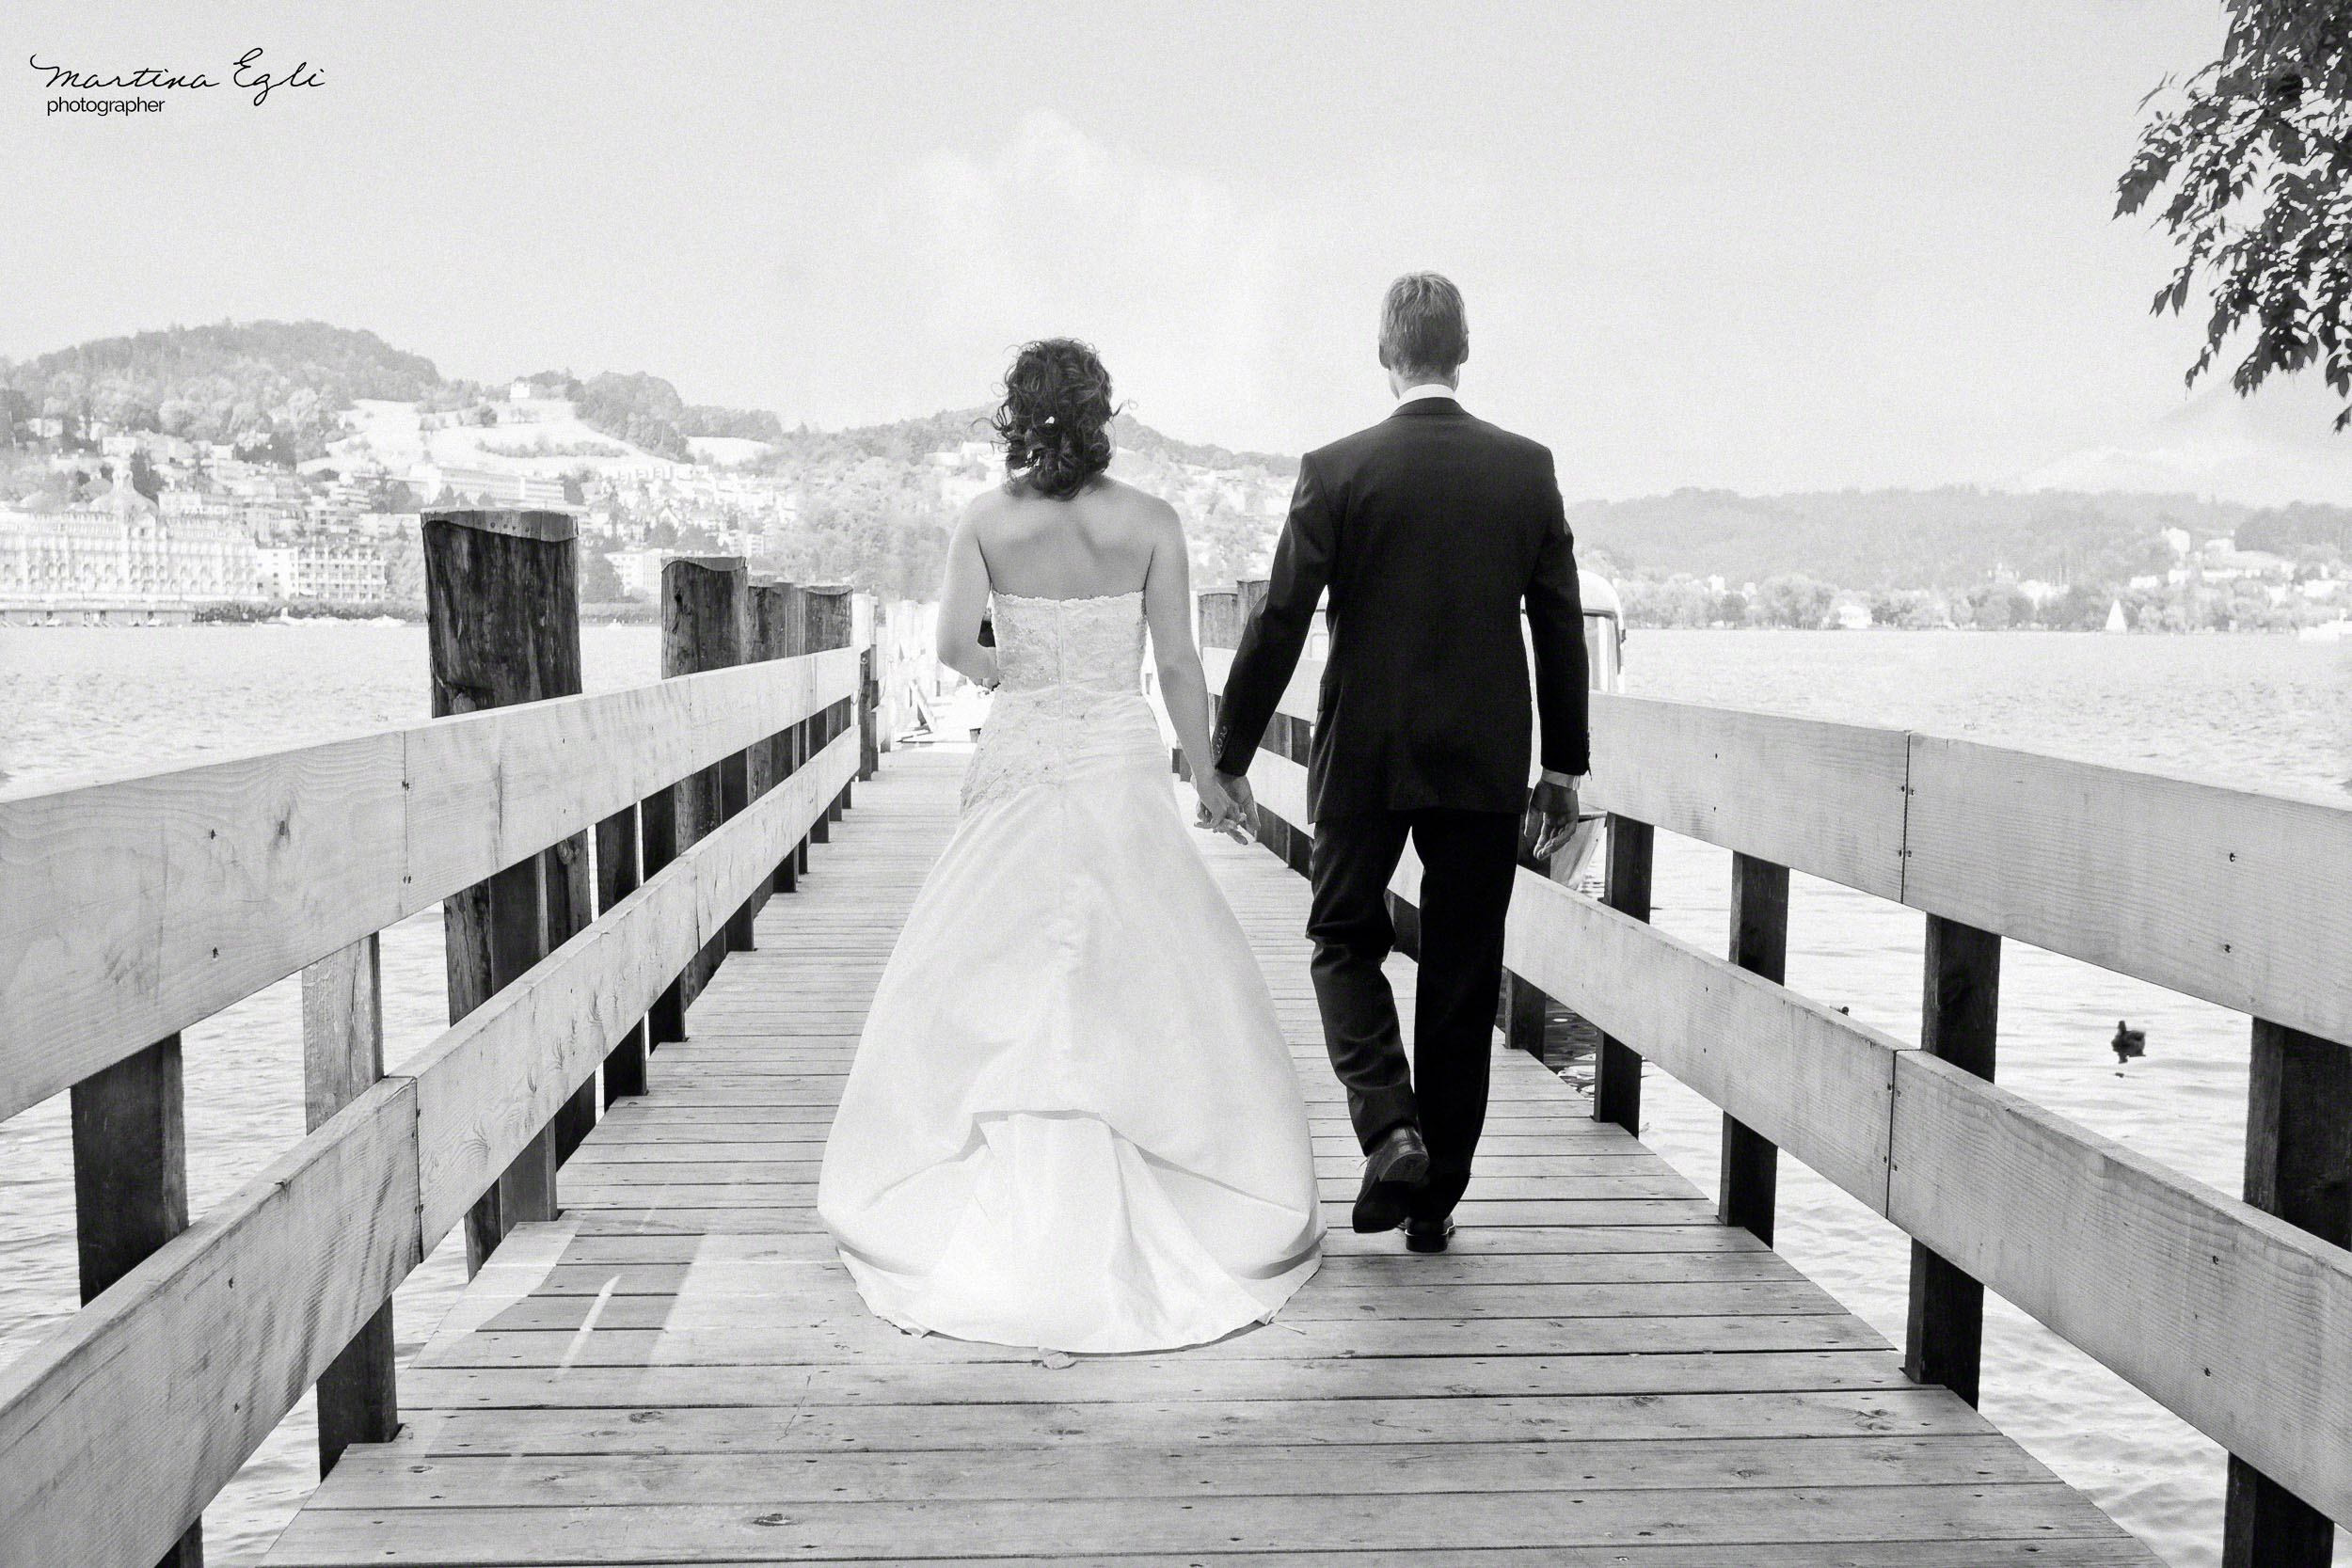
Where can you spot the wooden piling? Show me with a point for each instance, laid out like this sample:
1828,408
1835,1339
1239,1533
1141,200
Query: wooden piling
1749,1175
705,612
1960,1018
131,1184
1617,1069
2298,1167
342,1055
502,624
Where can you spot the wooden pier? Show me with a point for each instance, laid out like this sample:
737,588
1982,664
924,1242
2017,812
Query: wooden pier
678,1370
667,910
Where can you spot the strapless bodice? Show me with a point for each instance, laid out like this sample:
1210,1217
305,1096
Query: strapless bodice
1093,643
1070,703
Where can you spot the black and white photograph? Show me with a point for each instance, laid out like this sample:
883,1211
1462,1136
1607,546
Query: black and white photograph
1326,784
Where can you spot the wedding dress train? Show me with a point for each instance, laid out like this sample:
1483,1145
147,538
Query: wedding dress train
1072,1122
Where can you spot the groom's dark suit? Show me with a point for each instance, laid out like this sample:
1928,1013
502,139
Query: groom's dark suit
1429,529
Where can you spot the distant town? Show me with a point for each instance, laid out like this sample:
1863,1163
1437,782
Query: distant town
280,469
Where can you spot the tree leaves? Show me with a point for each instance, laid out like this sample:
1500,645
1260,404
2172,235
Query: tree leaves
2257,150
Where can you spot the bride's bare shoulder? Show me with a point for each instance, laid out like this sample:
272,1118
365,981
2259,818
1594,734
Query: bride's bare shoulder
1146,509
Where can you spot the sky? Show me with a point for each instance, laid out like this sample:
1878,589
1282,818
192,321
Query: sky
1739,243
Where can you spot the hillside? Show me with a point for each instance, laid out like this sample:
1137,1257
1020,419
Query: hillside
873,503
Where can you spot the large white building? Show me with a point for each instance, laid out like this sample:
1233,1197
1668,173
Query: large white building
119,553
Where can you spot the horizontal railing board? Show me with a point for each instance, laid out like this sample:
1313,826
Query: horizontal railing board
1808,1077
487,1086
2233,1318
2235,1321
2240,899
2236,897
119,1427
133,909
1819,797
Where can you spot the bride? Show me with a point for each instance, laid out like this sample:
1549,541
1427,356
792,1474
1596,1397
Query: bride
1073,1122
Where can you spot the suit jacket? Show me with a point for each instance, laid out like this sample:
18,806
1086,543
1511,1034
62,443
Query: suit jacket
1430,531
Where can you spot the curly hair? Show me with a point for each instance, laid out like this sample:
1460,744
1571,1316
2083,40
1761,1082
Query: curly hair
1055,418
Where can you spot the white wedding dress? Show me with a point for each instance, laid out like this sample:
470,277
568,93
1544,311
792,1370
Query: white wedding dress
1073,1122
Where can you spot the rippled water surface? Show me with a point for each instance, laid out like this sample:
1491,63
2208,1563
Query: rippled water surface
2263,713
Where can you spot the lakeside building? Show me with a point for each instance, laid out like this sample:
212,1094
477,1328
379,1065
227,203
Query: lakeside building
439,482
119,556
336,571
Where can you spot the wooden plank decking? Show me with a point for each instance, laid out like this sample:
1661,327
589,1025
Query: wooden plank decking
677,1371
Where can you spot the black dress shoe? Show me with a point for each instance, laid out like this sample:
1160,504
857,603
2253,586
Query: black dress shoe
1422,1235
1393,1171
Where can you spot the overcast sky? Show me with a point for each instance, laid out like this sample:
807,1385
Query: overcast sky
1759,245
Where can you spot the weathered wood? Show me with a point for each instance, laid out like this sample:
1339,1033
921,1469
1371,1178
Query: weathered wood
342,1058
130,1188
1960,1022
790,638
502,627
2223,894
1221,618
2218,1311
1617,1067
565,873
1824,798
617,877
123,1421
1808,1078
1577,1382
1749,1173
130,1164
706,624
829,619
485,1084
2298,1167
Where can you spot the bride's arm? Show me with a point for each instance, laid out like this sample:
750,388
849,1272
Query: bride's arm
962,599
1168,609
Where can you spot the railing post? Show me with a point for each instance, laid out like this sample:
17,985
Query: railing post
765,765
777,618
869,691
617,877
829,626
1220,618
571,909
2298,1167
502,618
343,1053
704,615
1617,1067
791,642
131,1185
1959,1021
1750,1169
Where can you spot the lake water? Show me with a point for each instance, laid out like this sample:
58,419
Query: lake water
2266,713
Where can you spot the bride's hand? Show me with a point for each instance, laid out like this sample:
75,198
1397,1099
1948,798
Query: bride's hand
1219,812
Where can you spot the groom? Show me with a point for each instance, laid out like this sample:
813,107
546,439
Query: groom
1430,529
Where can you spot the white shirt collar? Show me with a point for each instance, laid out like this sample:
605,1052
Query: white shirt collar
1426,390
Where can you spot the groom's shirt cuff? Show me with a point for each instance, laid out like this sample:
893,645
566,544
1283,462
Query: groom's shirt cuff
1575,781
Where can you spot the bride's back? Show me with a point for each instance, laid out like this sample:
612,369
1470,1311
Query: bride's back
1096,543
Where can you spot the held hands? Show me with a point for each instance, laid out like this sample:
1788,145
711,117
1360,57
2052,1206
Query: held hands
1225,803
1551,818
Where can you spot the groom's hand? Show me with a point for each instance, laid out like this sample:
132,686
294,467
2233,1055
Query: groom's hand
1237,785
1552,815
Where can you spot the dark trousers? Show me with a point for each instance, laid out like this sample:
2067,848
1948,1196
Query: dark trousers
1468,859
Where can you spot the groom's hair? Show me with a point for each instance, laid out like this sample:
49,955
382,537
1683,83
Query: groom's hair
1424,328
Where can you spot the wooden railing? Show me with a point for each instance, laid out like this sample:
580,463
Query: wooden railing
2236,1315
131,910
